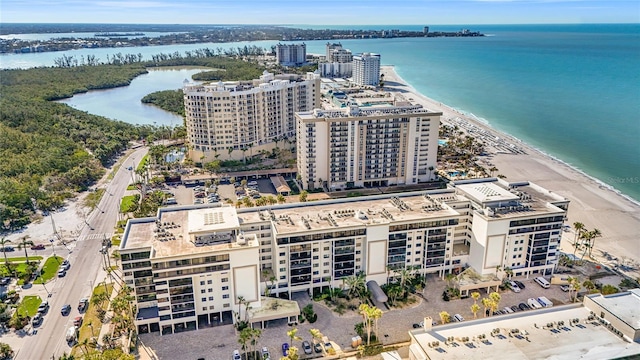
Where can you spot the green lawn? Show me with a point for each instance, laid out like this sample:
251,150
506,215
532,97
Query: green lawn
49,270
91,315
132,187
143,163
23,259
21,268
29,305
128,203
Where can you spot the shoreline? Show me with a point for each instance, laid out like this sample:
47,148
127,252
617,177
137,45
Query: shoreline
593,202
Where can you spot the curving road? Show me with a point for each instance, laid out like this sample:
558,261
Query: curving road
86,269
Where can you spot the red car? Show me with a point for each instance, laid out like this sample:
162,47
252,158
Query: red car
38,247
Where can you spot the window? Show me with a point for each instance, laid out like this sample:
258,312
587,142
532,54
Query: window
282,254
282,277
326,256
224,280
224,288
226,305
210,298
283,269
209,282
203,291
204,308
282,262
212,307
201,282
204,299
325,263
225,296
211,290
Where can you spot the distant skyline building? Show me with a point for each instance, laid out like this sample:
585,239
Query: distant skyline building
291,54
338,62
225,118
366,146
366,69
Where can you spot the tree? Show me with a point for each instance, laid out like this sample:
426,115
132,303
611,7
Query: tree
475,295
366,312
292,334
244,337
431,168
281,199
444,317
495,297
303,195
4,241
292,354
579,228
474,309
24,244
6,353
316,335
486,303
594,234
609,289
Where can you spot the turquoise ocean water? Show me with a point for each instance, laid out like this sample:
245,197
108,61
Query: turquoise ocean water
572,91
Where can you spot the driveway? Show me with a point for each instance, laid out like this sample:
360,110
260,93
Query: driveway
219,342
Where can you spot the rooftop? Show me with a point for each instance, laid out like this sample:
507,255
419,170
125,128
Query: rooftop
349,213
623,305
187,230
525,335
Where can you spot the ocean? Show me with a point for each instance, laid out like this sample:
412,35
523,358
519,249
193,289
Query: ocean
572,91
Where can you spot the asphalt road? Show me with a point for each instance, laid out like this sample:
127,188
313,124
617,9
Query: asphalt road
86,266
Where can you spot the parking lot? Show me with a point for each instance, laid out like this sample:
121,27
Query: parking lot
219,342
187,195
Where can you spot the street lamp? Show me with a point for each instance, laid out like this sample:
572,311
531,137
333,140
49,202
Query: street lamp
53,247
45,288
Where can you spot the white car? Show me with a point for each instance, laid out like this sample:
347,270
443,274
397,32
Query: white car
514,286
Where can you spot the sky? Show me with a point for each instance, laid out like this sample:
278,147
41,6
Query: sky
320,12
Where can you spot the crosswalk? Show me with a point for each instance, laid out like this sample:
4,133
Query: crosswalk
97,236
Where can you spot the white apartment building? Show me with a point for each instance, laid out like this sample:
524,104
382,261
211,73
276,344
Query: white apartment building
366,146
189,265
366,69
291,54
229,120
335,69
338,62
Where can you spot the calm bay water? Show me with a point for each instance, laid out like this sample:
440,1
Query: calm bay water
124,103
573,91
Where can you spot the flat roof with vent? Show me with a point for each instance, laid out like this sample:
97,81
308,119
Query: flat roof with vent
487,192
208,220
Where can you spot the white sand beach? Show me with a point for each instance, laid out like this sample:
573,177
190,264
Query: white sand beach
594,205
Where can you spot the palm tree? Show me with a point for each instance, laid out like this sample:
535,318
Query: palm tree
486,302
444,317
293,335
281,199
495,297
316,335
579,228
594,233
587,236
376,314
24,244
4,241
474,309
243,338
475,295
365,311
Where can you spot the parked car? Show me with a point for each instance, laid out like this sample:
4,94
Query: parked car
519,283
307,347
5,281
416,326
65,265
514,286
37,320
43,308
285,349
515,308
317,348
66,309
265,354
77,321
62,273
236,355
565,288
38,247
507,310
82,304
8,249
523,306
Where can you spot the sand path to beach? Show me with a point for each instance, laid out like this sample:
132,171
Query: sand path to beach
592,204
